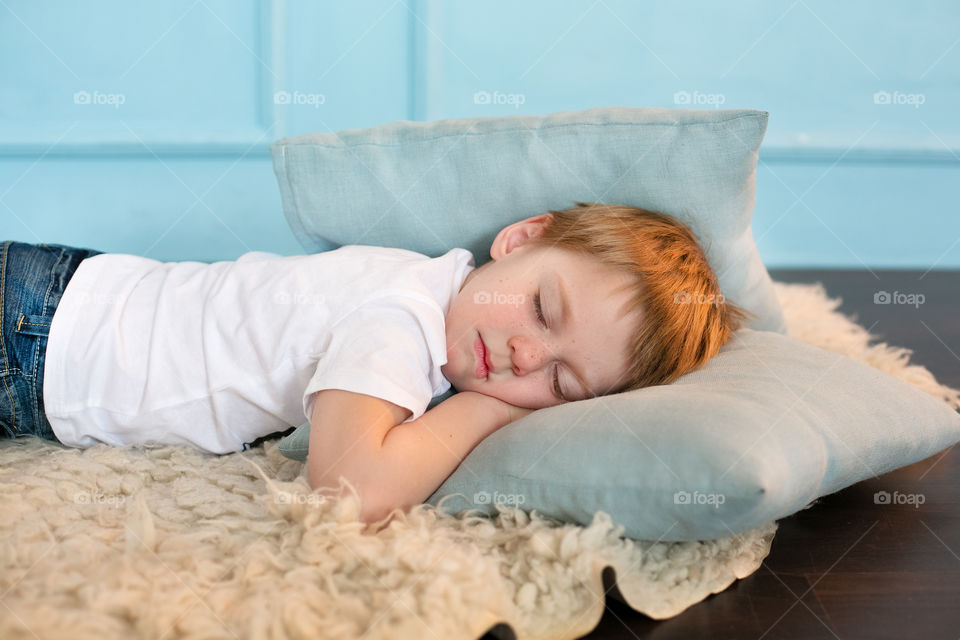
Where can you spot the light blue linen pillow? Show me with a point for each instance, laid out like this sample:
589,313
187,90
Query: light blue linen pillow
432,186
765,427
762,429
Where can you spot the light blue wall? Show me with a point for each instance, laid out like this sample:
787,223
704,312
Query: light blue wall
180,170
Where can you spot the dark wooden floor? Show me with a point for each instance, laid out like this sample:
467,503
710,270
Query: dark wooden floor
847,567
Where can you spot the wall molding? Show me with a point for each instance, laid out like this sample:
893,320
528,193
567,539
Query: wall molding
426,59
426,56
781,154
254,140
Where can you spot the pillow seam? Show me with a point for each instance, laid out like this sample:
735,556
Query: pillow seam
514,130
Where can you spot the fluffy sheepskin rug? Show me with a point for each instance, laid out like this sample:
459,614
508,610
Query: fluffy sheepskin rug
169,542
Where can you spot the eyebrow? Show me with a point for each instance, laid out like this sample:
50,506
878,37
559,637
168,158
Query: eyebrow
565,318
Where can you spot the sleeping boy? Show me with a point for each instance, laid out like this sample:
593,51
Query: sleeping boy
578,303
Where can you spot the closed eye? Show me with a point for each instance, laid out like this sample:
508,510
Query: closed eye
536,305
556,370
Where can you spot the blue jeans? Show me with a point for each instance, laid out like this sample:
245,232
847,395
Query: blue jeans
32,281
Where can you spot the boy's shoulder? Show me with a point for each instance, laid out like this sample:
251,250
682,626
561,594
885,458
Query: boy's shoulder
375,250
397,253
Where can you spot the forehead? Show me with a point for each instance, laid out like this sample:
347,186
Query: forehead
591,280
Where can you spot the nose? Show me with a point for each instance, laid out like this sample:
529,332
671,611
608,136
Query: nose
527,354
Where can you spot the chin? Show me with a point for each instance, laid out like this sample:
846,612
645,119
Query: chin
468,385
458,383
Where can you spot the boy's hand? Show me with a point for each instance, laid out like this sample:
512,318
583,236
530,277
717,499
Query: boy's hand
508,411
391,463
516,412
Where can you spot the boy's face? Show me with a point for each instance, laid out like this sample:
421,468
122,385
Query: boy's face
585,344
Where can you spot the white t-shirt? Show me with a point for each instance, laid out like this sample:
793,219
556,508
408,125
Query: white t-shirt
217,355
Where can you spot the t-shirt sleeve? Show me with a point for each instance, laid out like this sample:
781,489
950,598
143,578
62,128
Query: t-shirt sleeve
381,349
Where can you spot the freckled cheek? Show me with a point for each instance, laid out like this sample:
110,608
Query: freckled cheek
528,391
500,317
514,317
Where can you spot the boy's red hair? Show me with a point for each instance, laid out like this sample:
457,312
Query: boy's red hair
685,317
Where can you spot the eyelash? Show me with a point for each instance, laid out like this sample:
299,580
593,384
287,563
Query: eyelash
543,321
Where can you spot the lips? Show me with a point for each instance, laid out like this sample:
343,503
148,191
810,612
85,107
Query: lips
482,369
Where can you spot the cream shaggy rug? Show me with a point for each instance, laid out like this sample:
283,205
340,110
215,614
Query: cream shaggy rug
168,542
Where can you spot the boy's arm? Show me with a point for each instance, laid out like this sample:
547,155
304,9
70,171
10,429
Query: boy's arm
394,465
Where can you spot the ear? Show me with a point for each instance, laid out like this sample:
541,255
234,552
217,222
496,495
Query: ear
519,234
